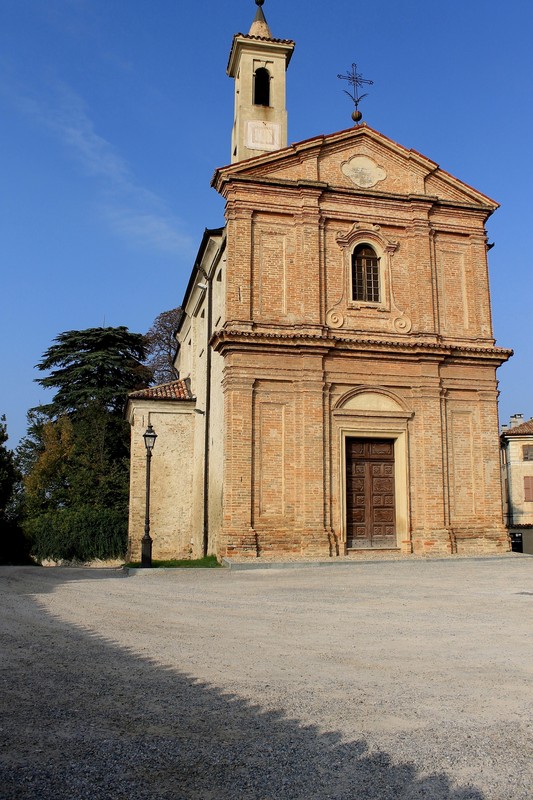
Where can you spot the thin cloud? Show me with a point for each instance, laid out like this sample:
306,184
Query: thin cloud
148,229
130,209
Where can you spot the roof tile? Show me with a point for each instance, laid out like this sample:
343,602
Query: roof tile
526,428
175,390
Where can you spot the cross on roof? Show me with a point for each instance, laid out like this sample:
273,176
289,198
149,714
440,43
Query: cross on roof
357,82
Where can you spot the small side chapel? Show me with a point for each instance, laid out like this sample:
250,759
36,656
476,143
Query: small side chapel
337,364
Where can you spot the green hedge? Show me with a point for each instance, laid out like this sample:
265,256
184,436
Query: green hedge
84,534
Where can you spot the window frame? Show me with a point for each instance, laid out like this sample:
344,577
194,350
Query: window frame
527,452
359,314
368,287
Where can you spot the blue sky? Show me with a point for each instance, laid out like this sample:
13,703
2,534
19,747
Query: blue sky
115,113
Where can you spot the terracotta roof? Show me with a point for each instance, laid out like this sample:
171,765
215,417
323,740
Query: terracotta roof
525,429
175,390
264,38
288,43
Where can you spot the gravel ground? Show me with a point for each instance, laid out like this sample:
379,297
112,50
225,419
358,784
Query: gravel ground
371,681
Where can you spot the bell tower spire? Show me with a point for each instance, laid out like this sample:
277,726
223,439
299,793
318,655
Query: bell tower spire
258,64
260,25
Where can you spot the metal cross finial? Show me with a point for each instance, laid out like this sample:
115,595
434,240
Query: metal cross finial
357,81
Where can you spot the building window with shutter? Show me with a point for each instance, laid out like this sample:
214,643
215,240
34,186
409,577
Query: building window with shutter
528,488
527,452
365,275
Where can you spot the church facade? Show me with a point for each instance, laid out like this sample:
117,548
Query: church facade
338,389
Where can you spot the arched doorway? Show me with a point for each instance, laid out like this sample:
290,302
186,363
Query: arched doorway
372,431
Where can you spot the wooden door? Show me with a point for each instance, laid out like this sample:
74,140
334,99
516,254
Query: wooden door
370,506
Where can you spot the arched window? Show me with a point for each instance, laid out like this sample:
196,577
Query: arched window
365,274
262,87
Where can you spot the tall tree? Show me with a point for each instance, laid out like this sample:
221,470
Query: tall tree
48,481
97,365
75,457
161,345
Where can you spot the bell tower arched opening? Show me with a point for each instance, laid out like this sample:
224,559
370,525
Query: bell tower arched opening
262,87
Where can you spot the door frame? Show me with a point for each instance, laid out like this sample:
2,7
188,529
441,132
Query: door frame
381,438
401,493
350,420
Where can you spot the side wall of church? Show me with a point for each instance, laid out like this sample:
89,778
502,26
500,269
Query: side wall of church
216,437
192,363
174,531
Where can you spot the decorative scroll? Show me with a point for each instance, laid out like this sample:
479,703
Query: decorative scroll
402,324
334,318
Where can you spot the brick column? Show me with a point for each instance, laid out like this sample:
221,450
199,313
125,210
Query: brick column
427,468
238,536
495,537
422,277
239,260
481,308
311,471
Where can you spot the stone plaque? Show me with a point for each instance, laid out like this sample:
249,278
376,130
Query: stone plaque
265,136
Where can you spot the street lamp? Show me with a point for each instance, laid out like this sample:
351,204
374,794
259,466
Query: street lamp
149,437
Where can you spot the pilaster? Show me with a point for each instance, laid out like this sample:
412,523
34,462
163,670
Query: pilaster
239,276
421,257
238,536
311,470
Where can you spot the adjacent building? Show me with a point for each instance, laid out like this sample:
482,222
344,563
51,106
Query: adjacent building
517,480
337,363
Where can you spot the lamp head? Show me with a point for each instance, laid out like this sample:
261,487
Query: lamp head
149,437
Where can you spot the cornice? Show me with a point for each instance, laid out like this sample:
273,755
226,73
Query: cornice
231,339
243,41
222,185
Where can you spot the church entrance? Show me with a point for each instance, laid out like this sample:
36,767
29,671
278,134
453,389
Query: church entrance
370,493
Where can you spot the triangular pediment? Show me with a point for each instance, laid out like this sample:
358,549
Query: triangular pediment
359,159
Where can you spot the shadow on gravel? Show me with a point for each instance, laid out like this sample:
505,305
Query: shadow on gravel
106,723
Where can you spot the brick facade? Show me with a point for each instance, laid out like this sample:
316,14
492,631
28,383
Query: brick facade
295,344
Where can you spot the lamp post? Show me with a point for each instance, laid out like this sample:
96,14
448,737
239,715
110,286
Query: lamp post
149,437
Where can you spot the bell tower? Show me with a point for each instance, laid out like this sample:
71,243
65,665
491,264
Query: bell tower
258,64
